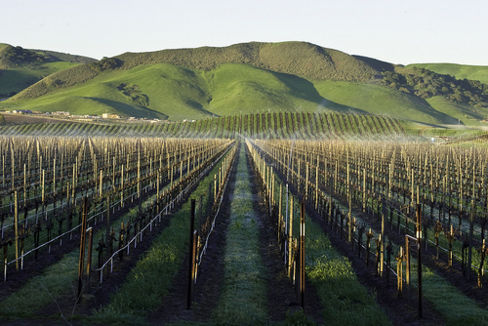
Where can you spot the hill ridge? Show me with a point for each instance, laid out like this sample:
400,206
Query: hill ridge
251,77
13,56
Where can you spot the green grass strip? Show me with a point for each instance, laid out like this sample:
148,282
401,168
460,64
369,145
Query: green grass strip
452,304
345,300
55,283
150,280
243,298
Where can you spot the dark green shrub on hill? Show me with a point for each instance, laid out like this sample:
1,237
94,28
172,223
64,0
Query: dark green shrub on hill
108,64
425,84
13,56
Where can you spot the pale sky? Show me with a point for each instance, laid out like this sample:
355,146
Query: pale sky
397,31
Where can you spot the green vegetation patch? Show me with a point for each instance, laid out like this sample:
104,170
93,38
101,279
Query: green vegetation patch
56,283
243,297
455,307
381,100
459,71
345,300
465,114
151,278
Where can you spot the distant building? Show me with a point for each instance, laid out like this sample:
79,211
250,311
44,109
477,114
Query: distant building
62,113
110,116
22,111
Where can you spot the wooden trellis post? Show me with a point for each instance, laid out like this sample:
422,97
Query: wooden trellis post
279,214
215,188
419,258
482,262
81,260
16,226
191,267
302,255
369,235
450,238
101,183
90,247
317,184
290,236
382,238
349,205
399,259
407,259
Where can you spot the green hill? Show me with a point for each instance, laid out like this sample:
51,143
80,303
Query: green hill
464,114
378,99
20,68
254,77
297,58
459,71
163,90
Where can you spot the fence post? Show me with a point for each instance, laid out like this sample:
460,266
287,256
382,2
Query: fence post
191,255
107,227
90,246
400,272
16,226
5,260
82,246
290,237
407,257
302,255
382,239
419,258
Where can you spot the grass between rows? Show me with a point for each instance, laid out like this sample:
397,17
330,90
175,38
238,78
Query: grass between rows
56,283
345,300
454,306
450,302
243,298
151,278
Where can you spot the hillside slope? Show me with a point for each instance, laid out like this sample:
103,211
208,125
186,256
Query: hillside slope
20,68
459,71
252,77
298,58
168,91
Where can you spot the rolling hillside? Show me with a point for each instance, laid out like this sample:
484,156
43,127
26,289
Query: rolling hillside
163,90
254,77
20,68
459,71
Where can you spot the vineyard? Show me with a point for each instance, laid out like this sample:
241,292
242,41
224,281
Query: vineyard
260,125
414,215
256,219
